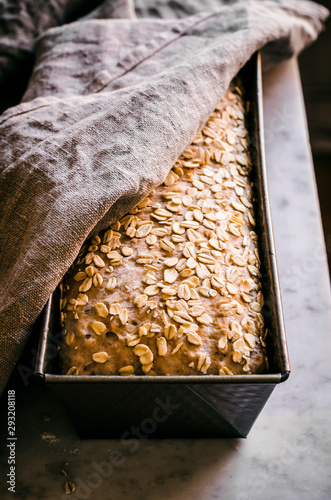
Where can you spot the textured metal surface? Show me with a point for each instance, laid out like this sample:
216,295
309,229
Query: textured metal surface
163,410
198,406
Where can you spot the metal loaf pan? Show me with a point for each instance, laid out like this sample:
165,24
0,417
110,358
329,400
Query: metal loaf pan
182,406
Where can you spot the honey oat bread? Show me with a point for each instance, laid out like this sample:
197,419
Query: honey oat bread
173,288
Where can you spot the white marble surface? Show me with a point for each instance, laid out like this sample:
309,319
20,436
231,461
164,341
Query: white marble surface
287,454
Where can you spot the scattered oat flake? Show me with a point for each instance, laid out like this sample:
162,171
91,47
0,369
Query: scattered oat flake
69,487
50,438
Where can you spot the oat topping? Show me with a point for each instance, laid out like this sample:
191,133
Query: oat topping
174,286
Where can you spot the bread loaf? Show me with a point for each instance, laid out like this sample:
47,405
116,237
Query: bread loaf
173,288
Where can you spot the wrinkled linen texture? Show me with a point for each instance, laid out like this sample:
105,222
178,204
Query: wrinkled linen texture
21,21
109,107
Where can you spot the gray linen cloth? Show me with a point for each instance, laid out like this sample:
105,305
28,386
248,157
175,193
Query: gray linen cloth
21,21
110,106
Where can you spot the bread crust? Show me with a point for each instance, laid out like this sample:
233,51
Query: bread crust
174,288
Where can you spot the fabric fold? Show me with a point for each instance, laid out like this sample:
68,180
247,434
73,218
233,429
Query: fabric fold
22,21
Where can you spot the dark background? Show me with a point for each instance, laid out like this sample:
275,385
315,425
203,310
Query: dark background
315,68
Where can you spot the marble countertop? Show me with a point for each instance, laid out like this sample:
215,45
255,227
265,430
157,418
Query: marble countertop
288,451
